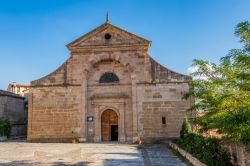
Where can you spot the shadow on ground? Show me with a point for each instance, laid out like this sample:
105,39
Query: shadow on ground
107,162
122,159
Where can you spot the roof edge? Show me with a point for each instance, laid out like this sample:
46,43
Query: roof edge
168,68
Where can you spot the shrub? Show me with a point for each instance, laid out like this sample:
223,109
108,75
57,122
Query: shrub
248,148
186,128
207,150
5,127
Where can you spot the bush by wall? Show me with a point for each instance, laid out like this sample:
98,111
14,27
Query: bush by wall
5,127
207,150
186,128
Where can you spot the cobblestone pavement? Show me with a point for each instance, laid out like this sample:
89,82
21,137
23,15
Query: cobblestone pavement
108,154
160,155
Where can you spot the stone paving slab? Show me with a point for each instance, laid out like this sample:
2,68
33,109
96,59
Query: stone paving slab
160,155
107,154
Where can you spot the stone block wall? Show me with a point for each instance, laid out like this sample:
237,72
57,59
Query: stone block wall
239,155
12,107
159,103
161,74
153,114
55,78
54,113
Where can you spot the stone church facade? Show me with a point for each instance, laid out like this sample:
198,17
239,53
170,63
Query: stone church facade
109,89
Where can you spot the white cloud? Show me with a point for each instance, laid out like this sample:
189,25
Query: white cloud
192,69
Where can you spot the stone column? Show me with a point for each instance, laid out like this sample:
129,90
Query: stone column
83,108
97,123
121,127
30,112
135,110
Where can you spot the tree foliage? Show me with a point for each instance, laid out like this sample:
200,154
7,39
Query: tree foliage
224,91
5,127
186,128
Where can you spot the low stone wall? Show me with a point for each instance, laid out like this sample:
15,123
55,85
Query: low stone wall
239,155
12,107
185,154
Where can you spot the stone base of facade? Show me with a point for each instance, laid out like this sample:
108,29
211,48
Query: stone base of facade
49,140
156,139
68,140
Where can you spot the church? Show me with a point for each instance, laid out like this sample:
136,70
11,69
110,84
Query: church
109,89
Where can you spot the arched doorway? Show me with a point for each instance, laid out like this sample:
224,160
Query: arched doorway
109,121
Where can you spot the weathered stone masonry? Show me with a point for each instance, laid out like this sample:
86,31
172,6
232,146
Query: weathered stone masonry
14,108
144,94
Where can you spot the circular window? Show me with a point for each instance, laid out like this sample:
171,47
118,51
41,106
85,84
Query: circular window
107,36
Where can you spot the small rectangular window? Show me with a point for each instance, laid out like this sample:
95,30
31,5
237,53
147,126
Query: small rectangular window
163,120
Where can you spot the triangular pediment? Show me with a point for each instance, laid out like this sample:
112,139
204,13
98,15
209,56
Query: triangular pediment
98,38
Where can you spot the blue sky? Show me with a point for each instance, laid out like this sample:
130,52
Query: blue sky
33,33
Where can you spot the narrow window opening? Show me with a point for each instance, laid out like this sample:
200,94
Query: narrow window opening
163,120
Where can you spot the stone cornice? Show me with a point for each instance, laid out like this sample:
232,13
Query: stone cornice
110,47
109,96
54,85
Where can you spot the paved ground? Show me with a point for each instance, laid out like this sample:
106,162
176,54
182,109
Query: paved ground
160,155
108,154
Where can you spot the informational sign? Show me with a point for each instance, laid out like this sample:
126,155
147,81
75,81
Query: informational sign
90,118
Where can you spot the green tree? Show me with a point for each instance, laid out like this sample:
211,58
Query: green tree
224,91
186,128
5,127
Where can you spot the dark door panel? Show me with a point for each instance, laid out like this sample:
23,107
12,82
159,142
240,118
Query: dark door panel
114,132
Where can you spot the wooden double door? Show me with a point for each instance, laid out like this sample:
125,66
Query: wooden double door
109,125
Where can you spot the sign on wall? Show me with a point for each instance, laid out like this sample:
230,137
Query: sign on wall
90,118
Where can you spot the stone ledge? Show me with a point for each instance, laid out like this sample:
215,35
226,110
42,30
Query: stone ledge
185,154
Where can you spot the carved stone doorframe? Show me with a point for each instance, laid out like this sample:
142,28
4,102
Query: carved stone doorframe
101,105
